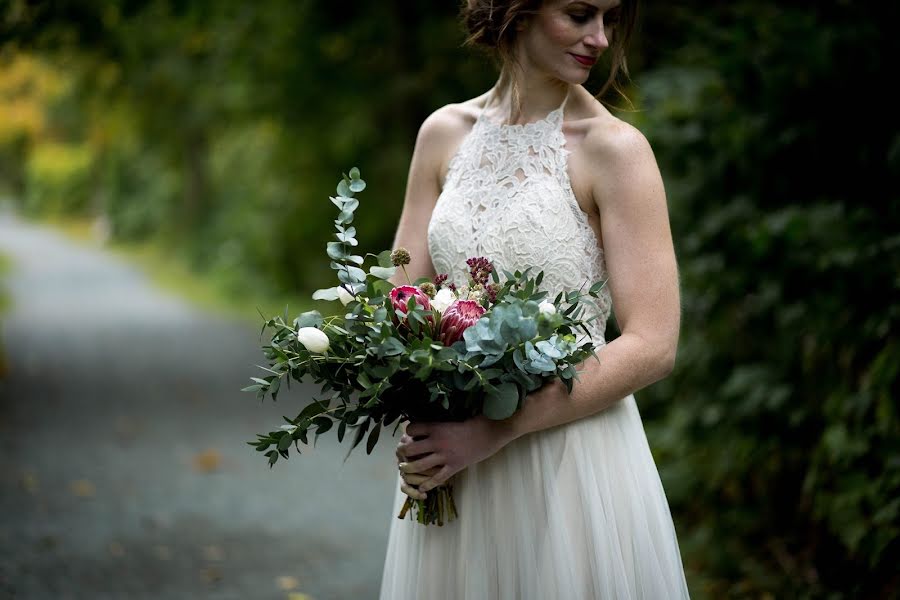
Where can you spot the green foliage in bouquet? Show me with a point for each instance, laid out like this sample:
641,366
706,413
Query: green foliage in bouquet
385,360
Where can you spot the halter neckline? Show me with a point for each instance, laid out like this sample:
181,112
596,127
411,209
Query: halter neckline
521,126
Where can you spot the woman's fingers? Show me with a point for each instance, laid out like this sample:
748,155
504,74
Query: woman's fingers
409,449
401,447
411,491
410,482
412,448
421,464
435,480
418,430
415,478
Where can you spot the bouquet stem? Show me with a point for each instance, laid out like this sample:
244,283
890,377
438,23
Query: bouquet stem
437,507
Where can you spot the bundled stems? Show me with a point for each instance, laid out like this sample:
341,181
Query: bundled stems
437,508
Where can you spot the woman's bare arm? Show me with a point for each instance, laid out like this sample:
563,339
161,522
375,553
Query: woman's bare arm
643,281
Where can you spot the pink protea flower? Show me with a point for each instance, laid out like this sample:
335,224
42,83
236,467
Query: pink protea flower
400,297
458,317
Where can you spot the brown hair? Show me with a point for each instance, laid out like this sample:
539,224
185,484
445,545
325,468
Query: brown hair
493,24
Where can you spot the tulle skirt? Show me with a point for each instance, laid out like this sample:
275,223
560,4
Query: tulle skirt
573,512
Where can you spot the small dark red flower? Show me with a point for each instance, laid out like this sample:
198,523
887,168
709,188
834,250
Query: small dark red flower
480,269
458,317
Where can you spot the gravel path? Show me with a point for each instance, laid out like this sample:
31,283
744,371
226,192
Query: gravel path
123,467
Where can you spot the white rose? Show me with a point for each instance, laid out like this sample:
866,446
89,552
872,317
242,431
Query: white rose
547,308
344,296
443,299
313,339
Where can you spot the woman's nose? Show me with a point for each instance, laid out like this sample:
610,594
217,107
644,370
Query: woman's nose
596,36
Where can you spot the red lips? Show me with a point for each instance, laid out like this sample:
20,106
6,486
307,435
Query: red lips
585,60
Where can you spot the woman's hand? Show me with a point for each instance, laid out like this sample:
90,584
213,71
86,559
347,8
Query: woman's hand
411,481
431,453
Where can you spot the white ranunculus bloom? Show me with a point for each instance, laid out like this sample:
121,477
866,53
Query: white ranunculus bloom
443,299
313,339
547,308
344,296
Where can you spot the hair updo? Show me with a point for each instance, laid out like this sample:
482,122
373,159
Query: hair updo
493,25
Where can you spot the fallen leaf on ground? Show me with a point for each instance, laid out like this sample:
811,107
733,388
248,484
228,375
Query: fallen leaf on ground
299,596
208,460
83,488
286,582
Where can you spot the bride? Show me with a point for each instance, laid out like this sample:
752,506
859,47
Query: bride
562,500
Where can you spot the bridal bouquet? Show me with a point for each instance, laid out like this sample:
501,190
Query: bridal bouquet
426,351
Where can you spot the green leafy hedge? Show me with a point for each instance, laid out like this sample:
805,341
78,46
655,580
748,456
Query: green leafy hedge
779,433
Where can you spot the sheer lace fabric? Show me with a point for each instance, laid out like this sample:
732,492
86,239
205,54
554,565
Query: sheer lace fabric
508,198
573,512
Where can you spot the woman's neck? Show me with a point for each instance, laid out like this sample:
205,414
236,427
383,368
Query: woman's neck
537,96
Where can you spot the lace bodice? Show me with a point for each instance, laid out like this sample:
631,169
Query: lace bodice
508,197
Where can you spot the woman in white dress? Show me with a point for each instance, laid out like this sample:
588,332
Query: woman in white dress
563,499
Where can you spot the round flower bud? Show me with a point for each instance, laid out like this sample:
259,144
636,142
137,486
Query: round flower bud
547,308
313,339
400,257
428,288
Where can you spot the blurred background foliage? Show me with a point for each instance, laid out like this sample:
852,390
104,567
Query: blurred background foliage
215,131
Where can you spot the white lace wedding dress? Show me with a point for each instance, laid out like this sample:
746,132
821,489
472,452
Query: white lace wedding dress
573,512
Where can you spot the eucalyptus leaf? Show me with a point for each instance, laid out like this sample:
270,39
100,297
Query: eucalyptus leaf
336,251
357,273
501,402
383,272
311,318
391,347
384,259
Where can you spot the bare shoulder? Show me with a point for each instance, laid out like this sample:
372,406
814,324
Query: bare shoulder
450,120
444,130
612,142
623,164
